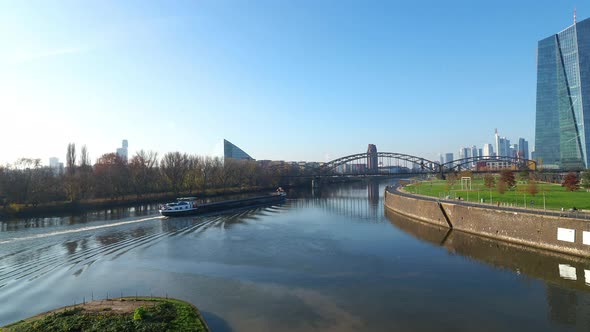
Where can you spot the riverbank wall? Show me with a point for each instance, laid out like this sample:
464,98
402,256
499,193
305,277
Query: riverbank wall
556,233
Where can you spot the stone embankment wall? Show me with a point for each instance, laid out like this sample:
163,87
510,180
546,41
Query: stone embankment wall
562,234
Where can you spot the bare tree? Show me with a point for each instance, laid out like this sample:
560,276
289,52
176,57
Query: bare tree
111,176
71,158
84,157
174,166
142,169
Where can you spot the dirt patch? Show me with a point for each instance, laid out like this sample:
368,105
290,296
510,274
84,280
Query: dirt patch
121,306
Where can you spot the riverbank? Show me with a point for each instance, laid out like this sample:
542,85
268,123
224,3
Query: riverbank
122,314
550,231
56,208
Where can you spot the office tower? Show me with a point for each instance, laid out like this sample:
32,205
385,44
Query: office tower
488,151
230,151
562,130
502,145
523,148
372,159
464,153
123,150
449,157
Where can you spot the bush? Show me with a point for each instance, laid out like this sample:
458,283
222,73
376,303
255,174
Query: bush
571,182
139,313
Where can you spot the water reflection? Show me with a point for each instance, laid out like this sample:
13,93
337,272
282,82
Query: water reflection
562,273
80,218
327,260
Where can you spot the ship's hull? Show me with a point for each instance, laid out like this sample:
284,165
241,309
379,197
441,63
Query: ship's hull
226,205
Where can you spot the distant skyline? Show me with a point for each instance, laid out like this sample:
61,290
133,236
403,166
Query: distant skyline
283,80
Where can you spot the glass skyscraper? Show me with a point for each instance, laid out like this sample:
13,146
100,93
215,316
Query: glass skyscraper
562,132
230,151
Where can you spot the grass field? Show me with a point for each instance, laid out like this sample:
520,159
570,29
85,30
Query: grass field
551,196
126,314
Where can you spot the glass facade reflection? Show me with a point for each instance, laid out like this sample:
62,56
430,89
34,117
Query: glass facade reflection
230,151
563,94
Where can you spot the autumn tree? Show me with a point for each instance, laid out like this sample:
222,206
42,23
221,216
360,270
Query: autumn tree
532,187
585,179
571,182
501,186
451,180
489,181
507,176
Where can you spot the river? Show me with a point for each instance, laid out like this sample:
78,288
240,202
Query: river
329,260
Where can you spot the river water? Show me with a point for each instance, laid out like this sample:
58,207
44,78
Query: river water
330,260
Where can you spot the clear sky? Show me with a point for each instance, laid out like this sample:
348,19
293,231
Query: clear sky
284,80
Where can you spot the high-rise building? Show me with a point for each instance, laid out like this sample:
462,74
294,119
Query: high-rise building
449,157
523,148
562,130
488,151
53,162
123,150
372,159
502,145
464,153
56,167
230,151
513,151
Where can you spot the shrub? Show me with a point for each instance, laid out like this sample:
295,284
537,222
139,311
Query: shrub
139,313
571,182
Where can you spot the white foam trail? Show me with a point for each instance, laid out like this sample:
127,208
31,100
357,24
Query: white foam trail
77,230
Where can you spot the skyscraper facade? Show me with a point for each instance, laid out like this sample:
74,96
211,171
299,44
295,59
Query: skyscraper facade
523,149
230,151
123,151
488,151
372,159
449,157
562,130
502,145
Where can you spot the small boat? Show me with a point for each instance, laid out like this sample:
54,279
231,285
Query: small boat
186,206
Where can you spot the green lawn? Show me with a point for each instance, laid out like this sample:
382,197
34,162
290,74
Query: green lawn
554,195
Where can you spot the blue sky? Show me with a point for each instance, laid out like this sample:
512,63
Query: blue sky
284,80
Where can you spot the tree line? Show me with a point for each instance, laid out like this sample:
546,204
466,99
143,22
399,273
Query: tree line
111,177
507,180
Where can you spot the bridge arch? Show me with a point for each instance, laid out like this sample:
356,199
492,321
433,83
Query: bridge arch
425,164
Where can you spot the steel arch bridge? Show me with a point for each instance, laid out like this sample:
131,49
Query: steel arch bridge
384,158
478,164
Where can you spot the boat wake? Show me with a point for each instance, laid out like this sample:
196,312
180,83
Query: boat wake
78,230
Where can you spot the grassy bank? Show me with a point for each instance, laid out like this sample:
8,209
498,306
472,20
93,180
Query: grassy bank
125,314
551,196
